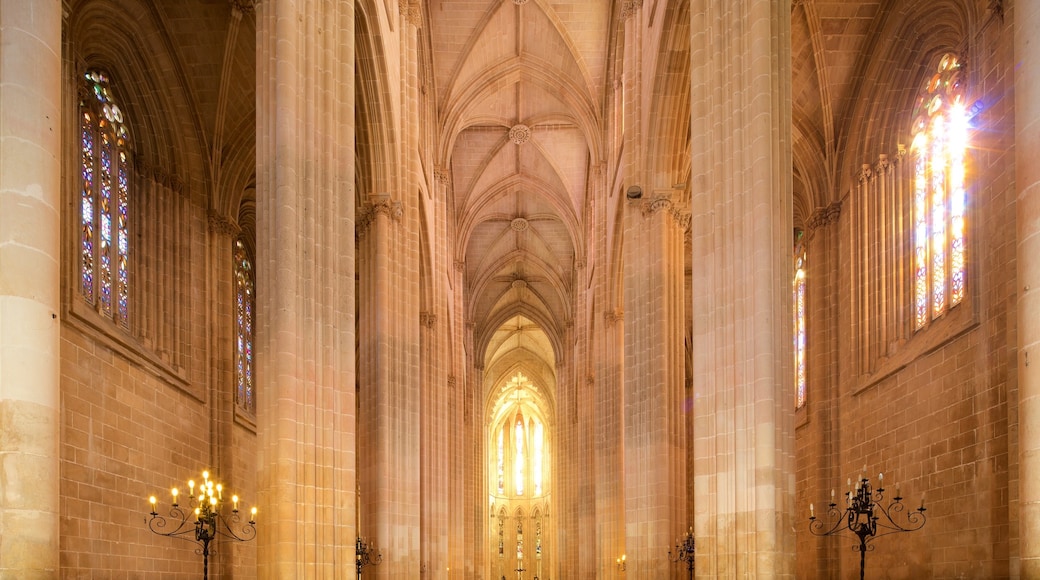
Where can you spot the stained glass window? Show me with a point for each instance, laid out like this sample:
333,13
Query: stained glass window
518,458
799,323
104,245
536,464
244,302
938,149
501,462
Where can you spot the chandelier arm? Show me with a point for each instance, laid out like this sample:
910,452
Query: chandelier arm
226,527
158,523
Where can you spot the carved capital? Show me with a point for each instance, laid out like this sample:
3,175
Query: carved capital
410,12
612,316
440,174
866,172
383,205
460,265
629,8
452,382
883,164
242,6
222,225
822,218
650,207
427,320
579,264
682,218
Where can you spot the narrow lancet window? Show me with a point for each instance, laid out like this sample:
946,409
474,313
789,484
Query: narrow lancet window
245,299
104,244
799,325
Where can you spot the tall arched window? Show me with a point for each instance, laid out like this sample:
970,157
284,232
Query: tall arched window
940,141
104,201
244,302
518,457
799,322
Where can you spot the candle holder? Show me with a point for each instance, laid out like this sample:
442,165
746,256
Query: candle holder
685,552
366,555
621,563
865,516
201,521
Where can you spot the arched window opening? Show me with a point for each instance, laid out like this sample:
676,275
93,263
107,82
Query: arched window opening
940,142
244,302
799,322
104,201
518,457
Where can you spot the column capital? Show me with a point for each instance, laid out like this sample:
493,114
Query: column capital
222,225
427,320
629,8
822,218
383,204
240,7
649,207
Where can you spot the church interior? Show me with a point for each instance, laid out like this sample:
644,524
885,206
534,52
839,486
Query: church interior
514,289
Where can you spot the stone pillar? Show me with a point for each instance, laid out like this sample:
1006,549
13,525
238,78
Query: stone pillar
305,337
1027,210
820,439
30,126
742,348
654,432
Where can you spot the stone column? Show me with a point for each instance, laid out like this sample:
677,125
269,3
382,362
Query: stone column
1027,210
742,348
654,432
305,337
30,126
820,439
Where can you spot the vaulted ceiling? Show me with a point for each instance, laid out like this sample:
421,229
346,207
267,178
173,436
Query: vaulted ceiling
520,89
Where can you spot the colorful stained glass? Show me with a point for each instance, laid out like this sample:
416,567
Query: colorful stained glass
87,208
244,327
104,203
799,327
939,148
